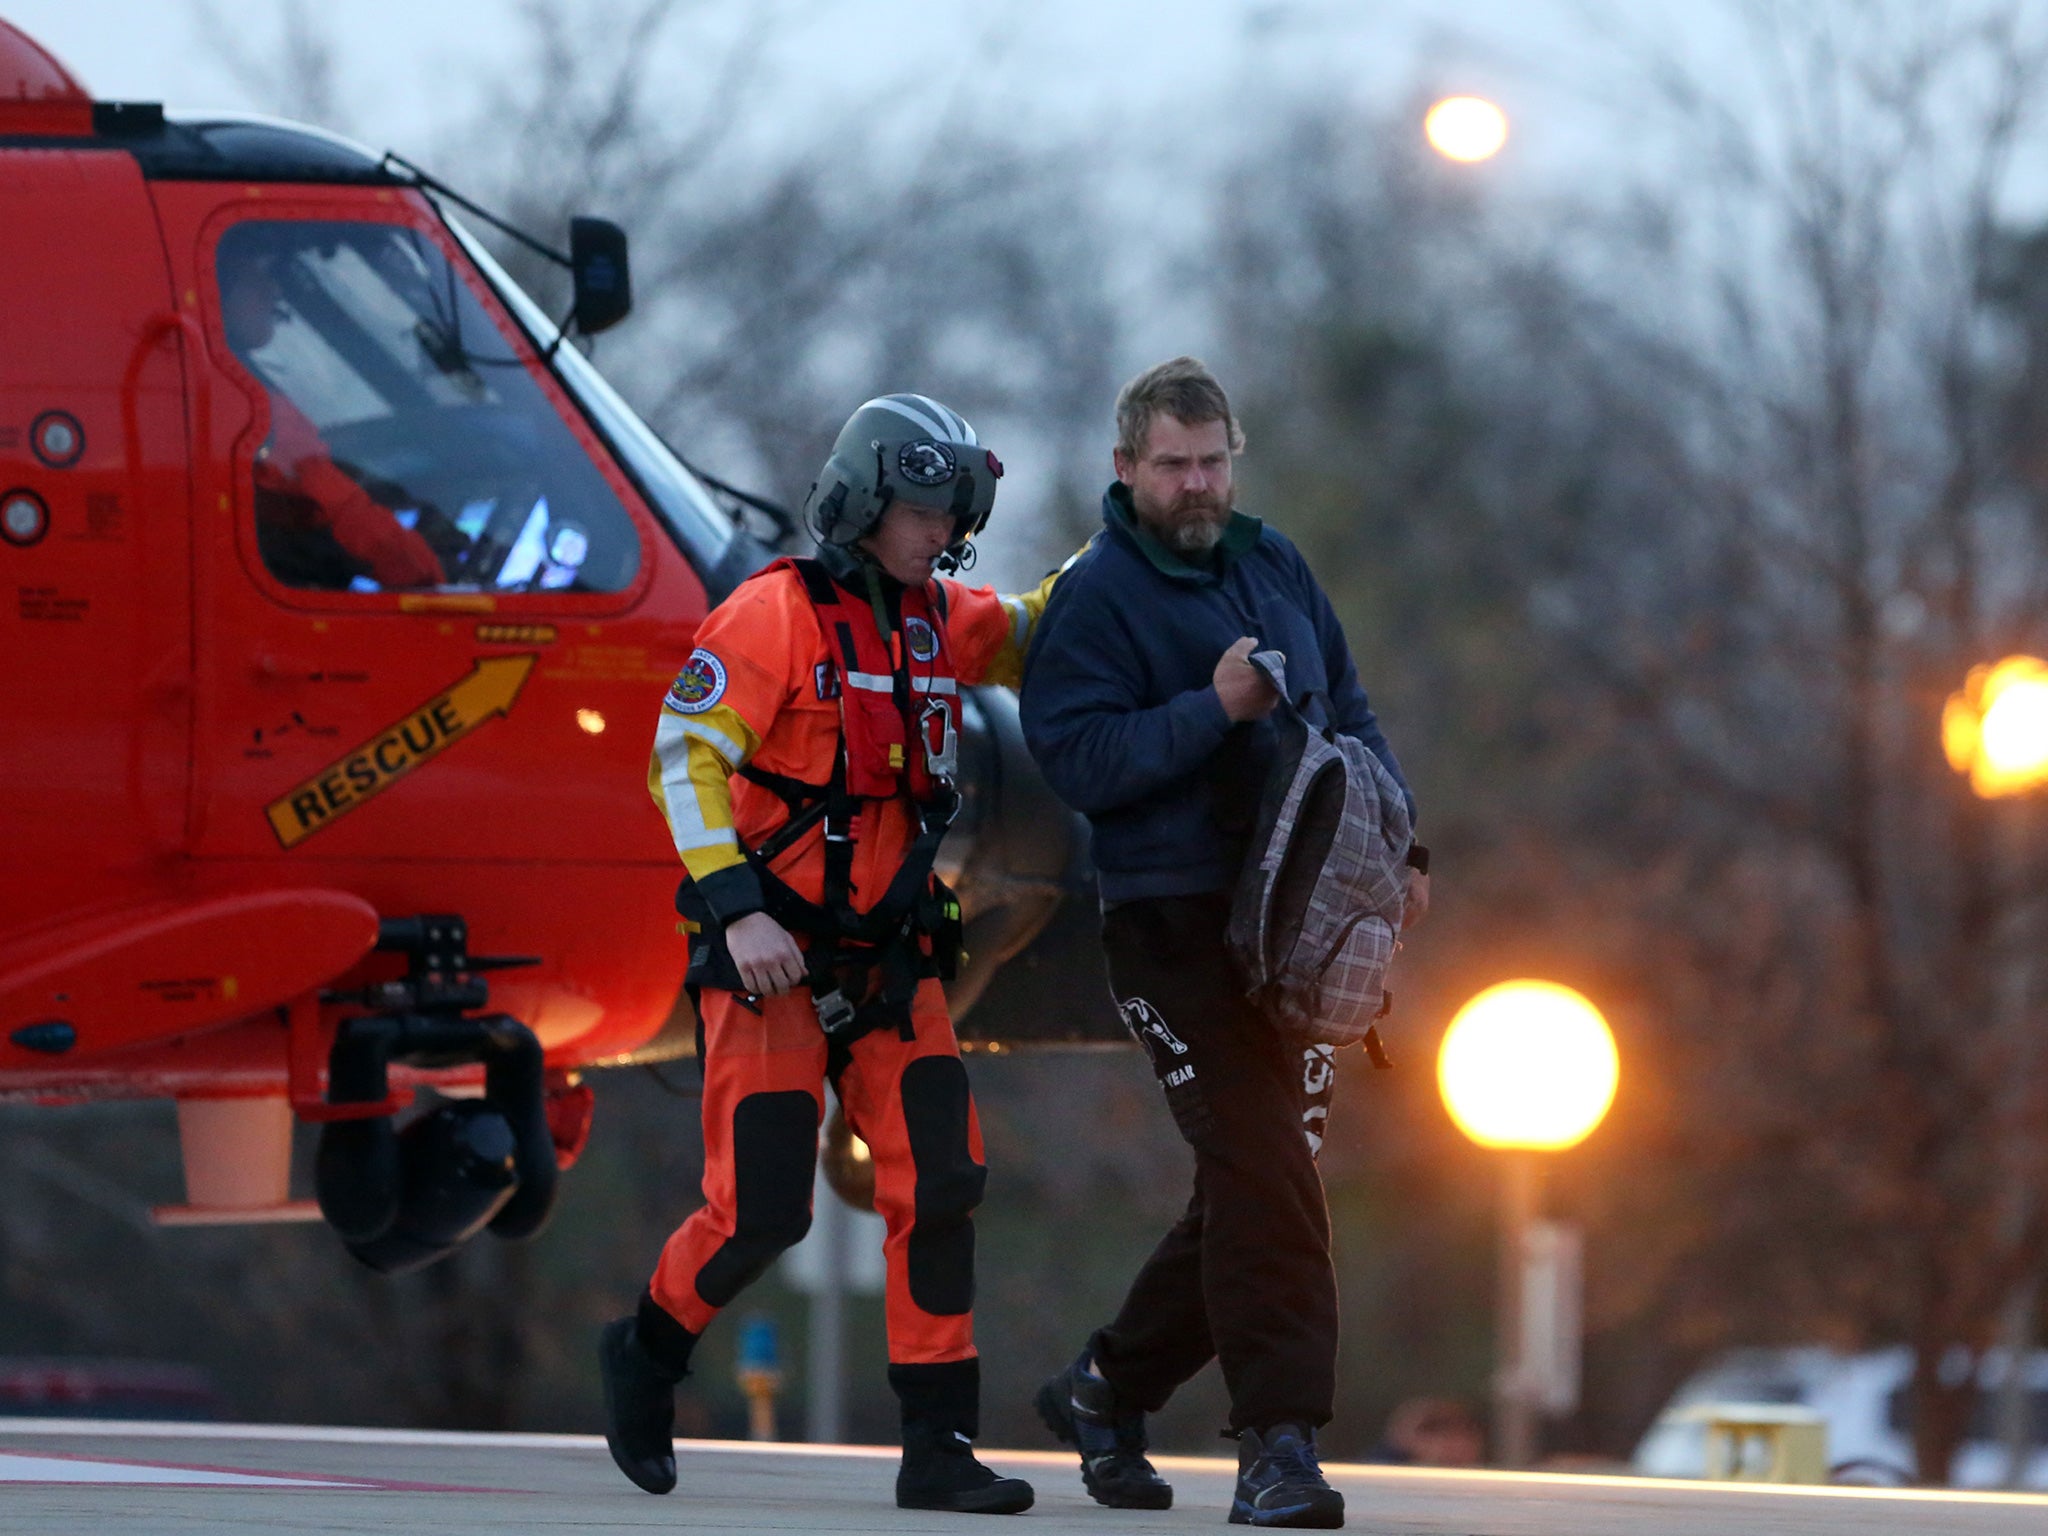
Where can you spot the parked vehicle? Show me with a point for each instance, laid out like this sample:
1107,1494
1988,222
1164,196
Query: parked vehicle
1864,1399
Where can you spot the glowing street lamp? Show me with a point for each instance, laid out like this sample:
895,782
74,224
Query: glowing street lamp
1529,1067
1995,728
1467,129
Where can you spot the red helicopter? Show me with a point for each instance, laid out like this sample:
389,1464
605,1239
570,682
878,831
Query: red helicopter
340,596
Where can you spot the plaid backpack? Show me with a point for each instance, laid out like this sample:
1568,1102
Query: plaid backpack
1317,908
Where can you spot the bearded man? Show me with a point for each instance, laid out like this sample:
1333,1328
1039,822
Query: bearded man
1142,709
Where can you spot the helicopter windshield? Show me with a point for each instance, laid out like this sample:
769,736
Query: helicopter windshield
693,518
409,445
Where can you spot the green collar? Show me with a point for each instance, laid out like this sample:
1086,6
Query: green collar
1239,535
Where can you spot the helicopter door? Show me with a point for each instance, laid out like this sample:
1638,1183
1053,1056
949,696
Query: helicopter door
396,495
94,509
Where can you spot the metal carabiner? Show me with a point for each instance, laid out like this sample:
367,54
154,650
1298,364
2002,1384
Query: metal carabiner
942,762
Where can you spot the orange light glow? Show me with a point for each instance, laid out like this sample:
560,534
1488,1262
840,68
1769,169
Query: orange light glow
591,720
1466,129
1528,1064
1995,729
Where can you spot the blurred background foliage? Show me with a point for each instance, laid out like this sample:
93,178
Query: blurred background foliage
1661,519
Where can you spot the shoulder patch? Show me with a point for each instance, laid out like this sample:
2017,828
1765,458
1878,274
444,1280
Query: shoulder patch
923,642
699,685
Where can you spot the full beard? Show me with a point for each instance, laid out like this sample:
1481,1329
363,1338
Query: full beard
1193,525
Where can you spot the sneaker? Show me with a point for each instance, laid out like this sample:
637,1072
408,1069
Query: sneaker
1280,1483
1082,1410
639,1407
939,1472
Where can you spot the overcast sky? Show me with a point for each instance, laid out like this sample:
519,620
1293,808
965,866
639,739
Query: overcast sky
1135,80
1046,67
1048,70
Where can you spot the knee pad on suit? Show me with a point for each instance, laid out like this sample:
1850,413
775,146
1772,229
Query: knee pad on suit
774,1149
937,1113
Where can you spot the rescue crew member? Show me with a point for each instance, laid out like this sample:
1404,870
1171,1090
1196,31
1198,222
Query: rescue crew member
316,526
805,762
1143,712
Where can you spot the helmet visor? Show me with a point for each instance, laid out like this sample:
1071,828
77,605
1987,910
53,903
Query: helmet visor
956,477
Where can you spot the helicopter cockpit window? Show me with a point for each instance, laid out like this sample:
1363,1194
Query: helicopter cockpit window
409,446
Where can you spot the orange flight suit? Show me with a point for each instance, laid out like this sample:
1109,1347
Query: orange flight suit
759,691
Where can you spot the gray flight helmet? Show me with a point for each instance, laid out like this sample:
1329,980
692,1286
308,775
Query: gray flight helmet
902,448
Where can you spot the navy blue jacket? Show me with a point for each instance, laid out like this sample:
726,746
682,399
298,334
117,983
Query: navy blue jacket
1120,712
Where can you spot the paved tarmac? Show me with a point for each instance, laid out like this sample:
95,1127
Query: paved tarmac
62,1476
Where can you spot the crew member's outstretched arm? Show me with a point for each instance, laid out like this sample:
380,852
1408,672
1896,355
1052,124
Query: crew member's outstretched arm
989,635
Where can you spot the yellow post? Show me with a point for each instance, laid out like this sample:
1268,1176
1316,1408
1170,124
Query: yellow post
760,1376
1765,1443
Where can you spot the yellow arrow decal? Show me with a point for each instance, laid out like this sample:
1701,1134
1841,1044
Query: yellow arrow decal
489,690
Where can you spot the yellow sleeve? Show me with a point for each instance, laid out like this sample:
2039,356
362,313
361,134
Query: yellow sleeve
695,757
1007,622
722,703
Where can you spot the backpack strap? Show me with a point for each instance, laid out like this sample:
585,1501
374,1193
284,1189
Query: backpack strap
1273,664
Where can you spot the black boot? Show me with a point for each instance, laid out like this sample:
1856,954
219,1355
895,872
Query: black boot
941,1416
939,1472
641,1359
1083,1410
1279,1481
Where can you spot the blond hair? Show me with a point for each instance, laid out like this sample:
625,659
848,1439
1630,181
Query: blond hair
1183,388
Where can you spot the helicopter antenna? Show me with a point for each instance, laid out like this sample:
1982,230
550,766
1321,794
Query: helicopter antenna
420,178
775,512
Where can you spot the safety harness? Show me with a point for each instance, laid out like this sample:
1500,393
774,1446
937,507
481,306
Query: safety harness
898,736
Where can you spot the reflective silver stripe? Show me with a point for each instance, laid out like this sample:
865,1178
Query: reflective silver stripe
707,837
1020,620
881,682
716,740
923,422
679,791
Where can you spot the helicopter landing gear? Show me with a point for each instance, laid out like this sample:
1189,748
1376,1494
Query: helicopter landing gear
400,1199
